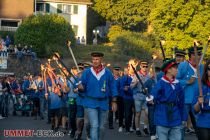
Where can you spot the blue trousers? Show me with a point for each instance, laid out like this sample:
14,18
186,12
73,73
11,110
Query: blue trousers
97,118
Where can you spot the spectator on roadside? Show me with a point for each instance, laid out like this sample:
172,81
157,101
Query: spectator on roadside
78,41
4,51
25,50
7,41
15,49
1,99
19,52
5,96
83,40
32,52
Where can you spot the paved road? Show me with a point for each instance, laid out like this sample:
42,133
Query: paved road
19,122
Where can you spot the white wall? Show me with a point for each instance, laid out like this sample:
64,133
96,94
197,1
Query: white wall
79,19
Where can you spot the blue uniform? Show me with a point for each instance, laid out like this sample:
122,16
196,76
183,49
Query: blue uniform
117,82
98,88
185,71
25,85
160,75
203,118
125,81
80,96
71,94
54,100
169,104
41,92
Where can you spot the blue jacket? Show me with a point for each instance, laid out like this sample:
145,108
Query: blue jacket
98,88
203,118
169,104
160,75
80,96
149,84
26,85
185,71
71,94
125,81
55,101
41,92
117,82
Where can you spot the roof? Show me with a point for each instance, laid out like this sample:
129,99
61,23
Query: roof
68,1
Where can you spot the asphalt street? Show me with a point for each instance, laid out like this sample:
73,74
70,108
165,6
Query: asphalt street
28,123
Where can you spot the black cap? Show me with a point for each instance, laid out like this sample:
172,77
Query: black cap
191,50
80,64
166,59
97,54
168,64
157,69
116,68
180,52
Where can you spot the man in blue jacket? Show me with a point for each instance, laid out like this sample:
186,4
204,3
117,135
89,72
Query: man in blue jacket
188,78
98,83
127,95
168,97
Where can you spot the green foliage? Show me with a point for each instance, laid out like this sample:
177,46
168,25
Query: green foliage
180,23
132,44
46,33
130,14
93,20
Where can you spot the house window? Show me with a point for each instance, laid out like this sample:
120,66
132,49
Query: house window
9,23
75,29
75,11
67,9
59,8
40,7
63,8
47,7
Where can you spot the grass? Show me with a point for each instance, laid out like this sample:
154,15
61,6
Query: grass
111,54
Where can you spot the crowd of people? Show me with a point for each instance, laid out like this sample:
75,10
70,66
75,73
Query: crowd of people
89,95
6,46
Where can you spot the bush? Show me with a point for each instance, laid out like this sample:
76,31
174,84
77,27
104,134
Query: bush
132,44
46,33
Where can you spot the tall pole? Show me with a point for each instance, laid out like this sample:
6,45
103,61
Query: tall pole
198,70
72,54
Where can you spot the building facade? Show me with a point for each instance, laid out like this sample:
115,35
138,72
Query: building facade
74,11
13,11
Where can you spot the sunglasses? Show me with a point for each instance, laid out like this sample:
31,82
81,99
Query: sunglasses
144,66
208,68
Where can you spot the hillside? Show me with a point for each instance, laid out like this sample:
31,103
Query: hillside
82,53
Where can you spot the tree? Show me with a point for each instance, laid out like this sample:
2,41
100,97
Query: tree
133,44
180,22
93,20
46,33
130,14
